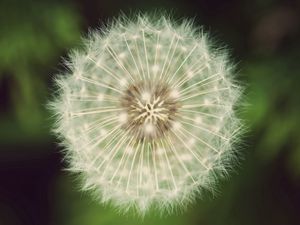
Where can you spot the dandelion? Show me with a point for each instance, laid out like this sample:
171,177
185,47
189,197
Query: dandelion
146,114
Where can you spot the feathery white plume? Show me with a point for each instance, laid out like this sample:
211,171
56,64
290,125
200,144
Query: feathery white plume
146,113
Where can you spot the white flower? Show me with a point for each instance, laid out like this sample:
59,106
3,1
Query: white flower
146,113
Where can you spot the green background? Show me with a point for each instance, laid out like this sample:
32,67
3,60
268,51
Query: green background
264,40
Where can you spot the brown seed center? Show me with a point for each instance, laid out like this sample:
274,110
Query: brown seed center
150,109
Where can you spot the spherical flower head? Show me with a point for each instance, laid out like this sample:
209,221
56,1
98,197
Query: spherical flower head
146,113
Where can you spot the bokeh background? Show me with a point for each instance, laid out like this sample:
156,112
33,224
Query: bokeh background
264,39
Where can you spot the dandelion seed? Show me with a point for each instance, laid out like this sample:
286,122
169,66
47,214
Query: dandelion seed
146,114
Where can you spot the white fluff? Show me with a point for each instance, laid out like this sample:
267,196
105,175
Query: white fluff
149,168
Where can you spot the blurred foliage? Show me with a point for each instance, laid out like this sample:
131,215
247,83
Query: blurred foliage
34,35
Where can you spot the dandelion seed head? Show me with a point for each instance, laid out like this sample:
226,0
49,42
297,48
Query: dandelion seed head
146,113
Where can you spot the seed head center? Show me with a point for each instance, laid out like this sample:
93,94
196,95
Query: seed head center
150,109
151,112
